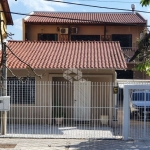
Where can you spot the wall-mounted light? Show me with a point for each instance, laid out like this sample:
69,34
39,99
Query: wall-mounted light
58,29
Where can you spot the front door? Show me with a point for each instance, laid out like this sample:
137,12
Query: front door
82,100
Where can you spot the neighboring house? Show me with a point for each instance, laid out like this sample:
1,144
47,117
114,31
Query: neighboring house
6,18
124,27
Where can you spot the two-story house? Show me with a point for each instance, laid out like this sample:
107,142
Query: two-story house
63,26
61,44
6,18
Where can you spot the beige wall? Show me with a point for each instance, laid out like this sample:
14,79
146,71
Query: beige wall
45,96
47,74
134,30
42,98
101,97
33,30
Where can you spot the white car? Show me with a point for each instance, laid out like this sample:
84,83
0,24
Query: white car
140,104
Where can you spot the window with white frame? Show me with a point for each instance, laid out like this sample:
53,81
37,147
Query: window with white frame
21,91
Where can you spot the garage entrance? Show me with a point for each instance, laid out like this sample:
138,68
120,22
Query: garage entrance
136,112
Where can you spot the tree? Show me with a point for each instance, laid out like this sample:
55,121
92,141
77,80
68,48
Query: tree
145,2
143,51
142,54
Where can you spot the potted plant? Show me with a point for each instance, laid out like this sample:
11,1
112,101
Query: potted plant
58,113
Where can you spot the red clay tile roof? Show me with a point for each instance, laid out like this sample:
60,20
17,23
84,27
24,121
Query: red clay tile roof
83,54
85,18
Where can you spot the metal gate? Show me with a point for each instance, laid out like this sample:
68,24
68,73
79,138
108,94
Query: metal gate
48,110
137,111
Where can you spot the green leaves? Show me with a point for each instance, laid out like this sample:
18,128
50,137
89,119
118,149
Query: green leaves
144,67
145,2
143,57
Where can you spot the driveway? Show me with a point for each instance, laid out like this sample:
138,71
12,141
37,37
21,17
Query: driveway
71,144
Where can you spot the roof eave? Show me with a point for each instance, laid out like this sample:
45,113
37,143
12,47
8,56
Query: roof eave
82,23
123,68
7,13
142,17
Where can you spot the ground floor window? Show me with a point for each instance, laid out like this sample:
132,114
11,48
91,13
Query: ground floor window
21,91
85,37
122,74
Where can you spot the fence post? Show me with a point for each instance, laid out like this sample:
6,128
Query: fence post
126,110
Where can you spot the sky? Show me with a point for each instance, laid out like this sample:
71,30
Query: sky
27,6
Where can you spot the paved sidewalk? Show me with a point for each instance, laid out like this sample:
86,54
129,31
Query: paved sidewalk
71,144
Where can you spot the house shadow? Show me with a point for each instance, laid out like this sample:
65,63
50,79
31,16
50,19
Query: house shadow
106,145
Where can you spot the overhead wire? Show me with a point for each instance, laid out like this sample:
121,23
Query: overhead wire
94,6
17,13
77,19
112,1
8,48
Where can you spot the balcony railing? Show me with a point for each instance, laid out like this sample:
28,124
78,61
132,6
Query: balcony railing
129,52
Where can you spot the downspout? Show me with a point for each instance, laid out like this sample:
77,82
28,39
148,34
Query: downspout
104,32
69,33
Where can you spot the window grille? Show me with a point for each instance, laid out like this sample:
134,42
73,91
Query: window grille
124,39
21,91
47,37
85,37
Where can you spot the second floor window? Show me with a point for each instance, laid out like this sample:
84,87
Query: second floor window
47,37
124,39
85,37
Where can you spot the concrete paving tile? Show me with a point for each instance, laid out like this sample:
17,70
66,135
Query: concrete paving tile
141,144
147,143
39,148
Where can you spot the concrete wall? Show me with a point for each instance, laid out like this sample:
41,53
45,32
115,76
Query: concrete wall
46,94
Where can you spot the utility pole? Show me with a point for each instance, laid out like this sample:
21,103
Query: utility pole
4,88
3,79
